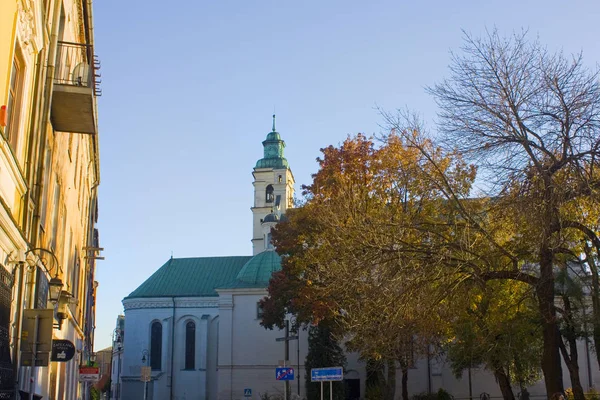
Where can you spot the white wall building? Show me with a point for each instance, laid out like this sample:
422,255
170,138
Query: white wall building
197,320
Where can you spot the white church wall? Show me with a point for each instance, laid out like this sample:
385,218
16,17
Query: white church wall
248,353
186,384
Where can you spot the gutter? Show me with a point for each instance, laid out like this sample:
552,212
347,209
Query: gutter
172,348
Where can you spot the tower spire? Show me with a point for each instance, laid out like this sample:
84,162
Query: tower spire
273,122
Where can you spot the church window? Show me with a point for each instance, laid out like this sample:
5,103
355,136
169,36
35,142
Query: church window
156,346
259,311
280,179
269,194
190,345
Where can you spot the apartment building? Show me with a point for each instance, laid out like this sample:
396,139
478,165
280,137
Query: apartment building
49,174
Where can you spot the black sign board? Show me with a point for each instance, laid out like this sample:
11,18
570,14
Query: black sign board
41,290
62,350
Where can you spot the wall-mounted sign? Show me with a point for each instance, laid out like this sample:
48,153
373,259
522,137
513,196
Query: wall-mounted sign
36,334
62,350
41,290
89,374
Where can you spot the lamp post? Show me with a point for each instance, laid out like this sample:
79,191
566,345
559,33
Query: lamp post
144,359
117,345
54,288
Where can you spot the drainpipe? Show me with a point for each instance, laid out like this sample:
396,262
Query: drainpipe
33,147
45,117
172,348
17,327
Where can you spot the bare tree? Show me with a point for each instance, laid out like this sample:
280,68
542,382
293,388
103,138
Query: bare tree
530,120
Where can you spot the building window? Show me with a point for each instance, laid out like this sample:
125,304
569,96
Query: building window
269,194
190,345
279,179
15,95
259,311
156,346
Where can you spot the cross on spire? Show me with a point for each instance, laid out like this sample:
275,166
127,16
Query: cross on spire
273,122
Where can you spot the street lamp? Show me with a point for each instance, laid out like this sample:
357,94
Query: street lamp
144,359
117,340
55,287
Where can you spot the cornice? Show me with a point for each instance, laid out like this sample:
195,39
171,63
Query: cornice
136,304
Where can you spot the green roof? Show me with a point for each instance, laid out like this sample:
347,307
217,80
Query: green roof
273,151
258,270
183,277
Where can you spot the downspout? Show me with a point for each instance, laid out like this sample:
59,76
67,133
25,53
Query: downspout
17,327
33,143
45,116
172,348
89,33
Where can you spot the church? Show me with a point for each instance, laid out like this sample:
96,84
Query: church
196,322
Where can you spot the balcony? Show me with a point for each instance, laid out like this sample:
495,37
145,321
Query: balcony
75,87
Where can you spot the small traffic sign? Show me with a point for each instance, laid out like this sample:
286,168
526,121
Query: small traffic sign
247,392
146,374
327,374
284,374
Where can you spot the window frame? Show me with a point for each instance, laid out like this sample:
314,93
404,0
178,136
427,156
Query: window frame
190,346
155,361
259,311
15,97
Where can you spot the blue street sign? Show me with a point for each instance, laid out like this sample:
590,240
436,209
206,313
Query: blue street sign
247,392
284,374
326,374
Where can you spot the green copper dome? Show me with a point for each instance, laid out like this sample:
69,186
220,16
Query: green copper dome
273,151
258,270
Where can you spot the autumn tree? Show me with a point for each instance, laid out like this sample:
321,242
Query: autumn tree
529,120
349,252
497,328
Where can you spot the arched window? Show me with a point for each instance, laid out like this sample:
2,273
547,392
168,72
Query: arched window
190,345
269,194
156,346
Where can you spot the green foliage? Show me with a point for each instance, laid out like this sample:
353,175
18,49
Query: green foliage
267,396
95,394
498,327
374,392
441,394
323,351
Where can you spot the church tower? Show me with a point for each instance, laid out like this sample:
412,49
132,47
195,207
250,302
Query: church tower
273,191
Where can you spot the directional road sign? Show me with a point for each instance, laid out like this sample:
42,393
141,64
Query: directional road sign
283,339
284,374
247,392
327,374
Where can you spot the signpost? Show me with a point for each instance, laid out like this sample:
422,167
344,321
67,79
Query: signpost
146,376
286,339
329,374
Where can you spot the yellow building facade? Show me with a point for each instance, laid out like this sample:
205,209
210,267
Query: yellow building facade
49,174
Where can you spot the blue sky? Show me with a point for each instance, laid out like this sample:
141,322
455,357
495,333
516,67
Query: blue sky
189,89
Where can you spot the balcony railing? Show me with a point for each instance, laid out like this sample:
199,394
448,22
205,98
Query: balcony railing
76,84
76,65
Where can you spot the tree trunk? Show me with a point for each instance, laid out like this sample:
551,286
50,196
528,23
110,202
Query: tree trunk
390,384
591,261
504,383
404,383
572,356
551,364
